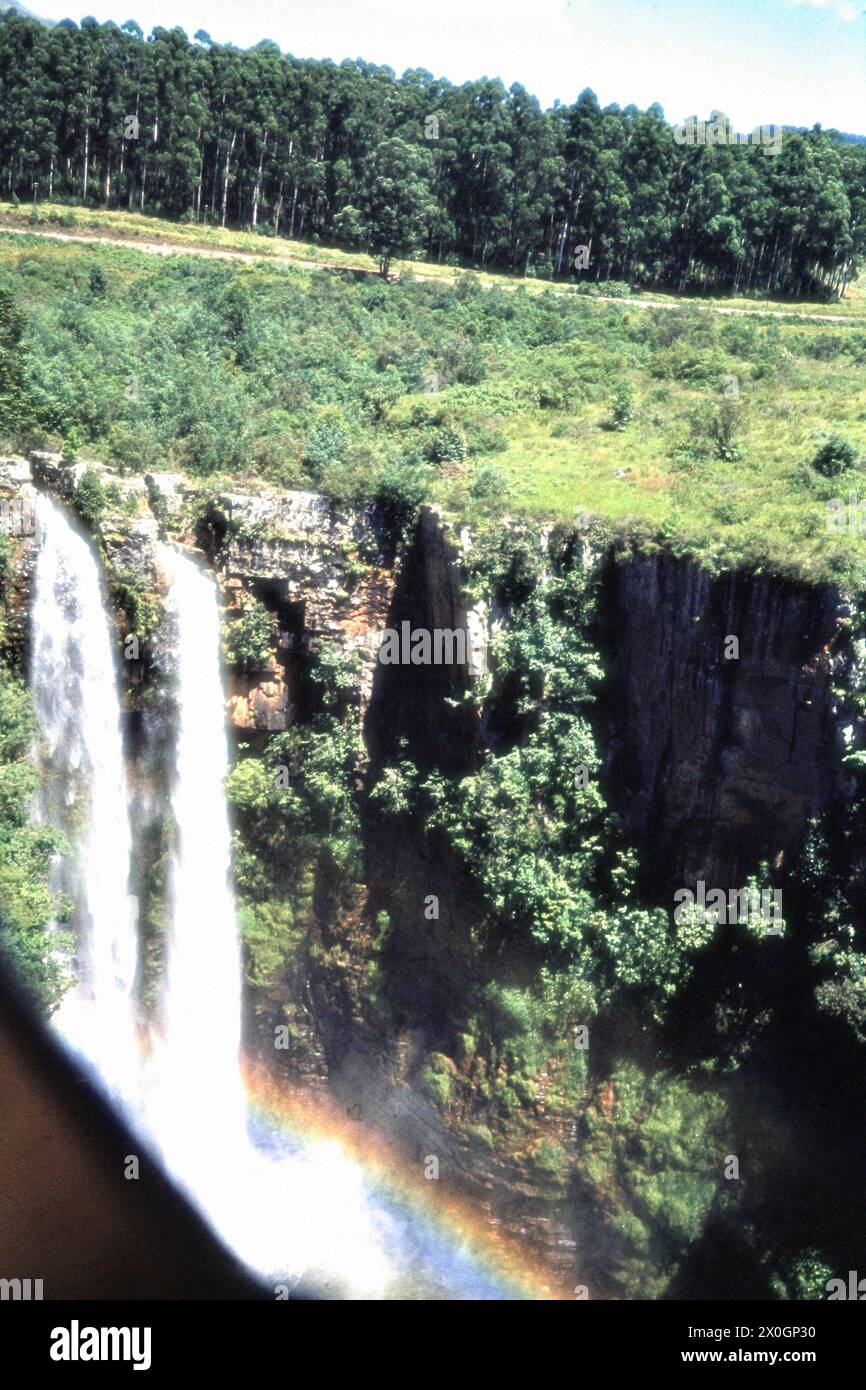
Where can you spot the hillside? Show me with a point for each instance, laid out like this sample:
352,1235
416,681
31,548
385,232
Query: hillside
734,438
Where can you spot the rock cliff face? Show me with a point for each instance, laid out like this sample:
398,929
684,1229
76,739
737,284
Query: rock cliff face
321,570
716,757
17,525
326,573
409,702
717,760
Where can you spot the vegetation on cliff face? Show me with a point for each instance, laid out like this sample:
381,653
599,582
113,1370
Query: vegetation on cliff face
569,976
298,849
27,906
248,638
628,1066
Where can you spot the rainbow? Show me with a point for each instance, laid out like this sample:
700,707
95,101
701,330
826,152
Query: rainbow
469,1258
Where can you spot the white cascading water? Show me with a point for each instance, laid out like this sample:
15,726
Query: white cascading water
290,1216
74,683
286,1216
299,1213
303,1215
201,1001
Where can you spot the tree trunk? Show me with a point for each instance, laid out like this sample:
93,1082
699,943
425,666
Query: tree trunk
257,191
229,153
278,209
294,205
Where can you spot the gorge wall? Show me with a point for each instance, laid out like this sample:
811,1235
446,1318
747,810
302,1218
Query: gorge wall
717,763
713,765
714,762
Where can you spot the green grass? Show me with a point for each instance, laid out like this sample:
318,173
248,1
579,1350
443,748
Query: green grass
140,228
241,366
765,505
137,227
662,472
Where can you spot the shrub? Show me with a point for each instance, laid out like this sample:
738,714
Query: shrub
724,428
399,494
622,410
141,604
834,456
325,444
463,360
15,407
98,282
447,445
486,438
489,483
89,497
436,1078
247,640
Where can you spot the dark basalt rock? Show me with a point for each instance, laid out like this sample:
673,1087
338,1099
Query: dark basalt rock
715,763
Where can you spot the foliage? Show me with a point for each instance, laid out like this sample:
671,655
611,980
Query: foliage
89,497
139,601
489,484
326,444
399,494
249,636
724,431
844,995
622,411
27,906
804,1277
393,205
14,403
834,456
653,1161
474,174
295,804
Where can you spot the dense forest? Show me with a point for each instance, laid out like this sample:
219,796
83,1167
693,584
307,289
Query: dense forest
472,175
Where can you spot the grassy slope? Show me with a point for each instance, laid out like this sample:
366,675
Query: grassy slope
136,228
550,400
764,504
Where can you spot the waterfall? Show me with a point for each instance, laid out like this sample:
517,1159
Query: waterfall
74,684
199,1090
286,1215
296,1210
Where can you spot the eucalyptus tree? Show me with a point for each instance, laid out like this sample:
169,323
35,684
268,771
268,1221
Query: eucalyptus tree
394,205
100,114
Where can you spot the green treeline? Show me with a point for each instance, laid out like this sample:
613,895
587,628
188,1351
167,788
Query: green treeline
413,165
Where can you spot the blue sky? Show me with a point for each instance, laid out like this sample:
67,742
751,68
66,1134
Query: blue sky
793,61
